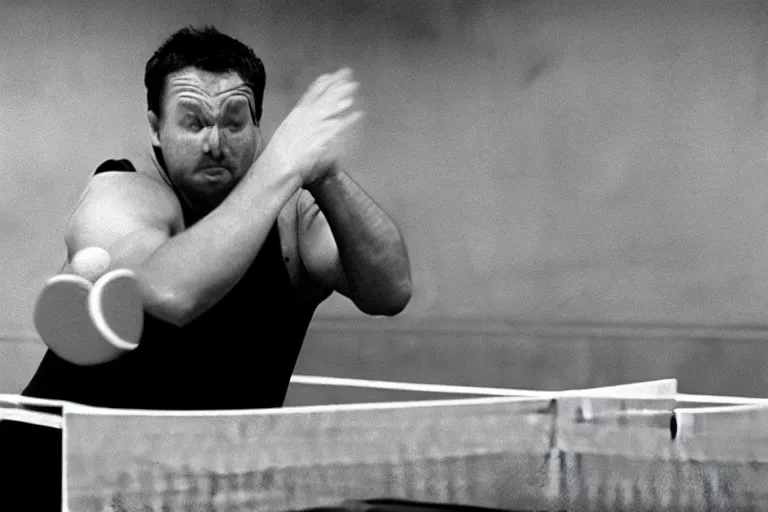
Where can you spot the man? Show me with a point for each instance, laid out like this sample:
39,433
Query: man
235,241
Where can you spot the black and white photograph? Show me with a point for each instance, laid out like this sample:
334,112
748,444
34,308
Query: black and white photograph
393,256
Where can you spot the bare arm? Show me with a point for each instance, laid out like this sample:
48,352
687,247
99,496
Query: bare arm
182,274
348,243
185,272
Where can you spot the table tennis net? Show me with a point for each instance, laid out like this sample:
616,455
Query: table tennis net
641,446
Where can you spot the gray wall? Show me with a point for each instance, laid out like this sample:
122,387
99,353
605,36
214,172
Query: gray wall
722,361
586,161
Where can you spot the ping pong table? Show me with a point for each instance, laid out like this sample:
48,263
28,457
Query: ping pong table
641,446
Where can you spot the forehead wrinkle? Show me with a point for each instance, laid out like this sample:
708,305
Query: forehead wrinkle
195,95
218,88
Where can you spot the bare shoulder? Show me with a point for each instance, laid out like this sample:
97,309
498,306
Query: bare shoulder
121,211
144,193
133,194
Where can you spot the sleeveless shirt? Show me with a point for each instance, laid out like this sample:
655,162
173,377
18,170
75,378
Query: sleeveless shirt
239,354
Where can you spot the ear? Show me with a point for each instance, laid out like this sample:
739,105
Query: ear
154,124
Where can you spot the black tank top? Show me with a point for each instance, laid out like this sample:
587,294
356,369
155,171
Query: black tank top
239,354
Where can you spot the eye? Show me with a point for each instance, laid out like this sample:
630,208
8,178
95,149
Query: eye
235,126
235,123
194,124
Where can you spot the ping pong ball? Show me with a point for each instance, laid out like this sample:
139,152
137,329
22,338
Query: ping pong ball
91,262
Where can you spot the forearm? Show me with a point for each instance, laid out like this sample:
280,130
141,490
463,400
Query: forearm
200,265
371,250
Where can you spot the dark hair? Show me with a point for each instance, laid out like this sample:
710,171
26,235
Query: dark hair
206,49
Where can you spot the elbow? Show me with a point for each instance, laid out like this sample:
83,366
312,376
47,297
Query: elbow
399,300
182,314
175,308
391,303
394,308
401,292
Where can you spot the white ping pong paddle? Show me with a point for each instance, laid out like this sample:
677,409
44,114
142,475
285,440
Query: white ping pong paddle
90,323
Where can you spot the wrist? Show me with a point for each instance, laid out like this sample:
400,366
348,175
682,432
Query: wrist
330,176
272,163
270,175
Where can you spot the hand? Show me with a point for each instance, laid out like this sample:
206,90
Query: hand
309,141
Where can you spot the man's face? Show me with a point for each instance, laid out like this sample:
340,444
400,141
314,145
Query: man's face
207,133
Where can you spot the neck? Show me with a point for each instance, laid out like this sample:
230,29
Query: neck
193,207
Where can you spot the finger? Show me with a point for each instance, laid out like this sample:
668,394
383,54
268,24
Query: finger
344,105
341,74
353,118
343,125
312,91
342,89
324,82
339,99
345,73
319,86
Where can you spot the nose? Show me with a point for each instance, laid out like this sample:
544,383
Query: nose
212,142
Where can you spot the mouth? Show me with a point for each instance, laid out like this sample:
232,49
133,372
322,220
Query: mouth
214,173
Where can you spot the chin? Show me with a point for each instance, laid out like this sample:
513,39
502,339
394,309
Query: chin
210,192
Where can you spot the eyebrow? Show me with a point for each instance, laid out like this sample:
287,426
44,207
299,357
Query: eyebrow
236,102
192,104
